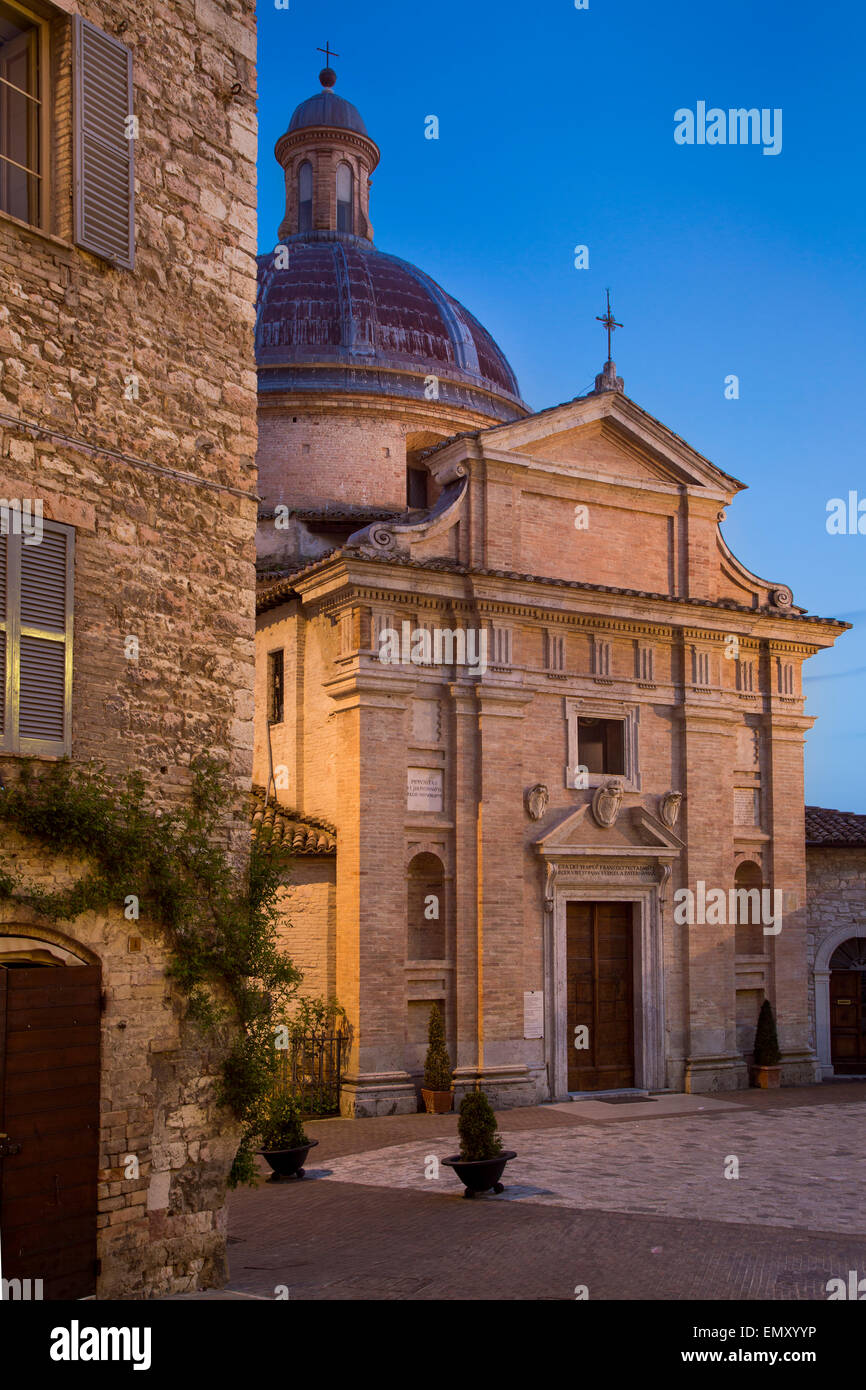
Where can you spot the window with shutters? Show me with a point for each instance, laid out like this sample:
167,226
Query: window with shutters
104,138
36,641
23,118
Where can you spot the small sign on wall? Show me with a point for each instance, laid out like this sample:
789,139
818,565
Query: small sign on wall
533,1013
424,792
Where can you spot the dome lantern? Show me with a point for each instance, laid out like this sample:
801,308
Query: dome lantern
327,157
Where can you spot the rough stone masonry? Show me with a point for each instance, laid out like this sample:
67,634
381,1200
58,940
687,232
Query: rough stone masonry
127,404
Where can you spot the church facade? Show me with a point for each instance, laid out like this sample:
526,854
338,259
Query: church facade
535,730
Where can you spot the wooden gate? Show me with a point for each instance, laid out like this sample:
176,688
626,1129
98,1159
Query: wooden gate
599,955
49,1115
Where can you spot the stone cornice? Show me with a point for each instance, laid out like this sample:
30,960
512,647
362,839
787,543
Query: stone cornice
484,584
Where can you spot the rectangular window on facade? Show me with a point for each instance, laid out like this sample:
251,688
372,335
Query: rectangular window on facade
23,117
36,640
416,487
103,142
276,698
601,745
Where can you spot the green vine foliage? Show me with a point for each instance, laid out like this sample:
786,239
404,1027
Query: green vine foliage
219,922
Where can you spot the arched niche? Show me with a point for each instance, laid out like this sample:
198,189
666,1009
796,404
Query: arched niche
749,927
426,917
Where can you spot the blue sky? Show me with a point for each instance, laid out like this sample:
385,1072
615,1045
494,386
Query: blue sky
556,129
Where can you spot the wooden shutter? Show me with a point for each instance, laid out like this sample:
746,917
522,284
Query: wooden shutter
43,642
3,642
104,184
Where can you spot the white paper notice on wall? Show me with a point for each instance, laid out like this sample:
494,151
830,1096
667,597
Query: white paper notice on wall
424,790
533,1013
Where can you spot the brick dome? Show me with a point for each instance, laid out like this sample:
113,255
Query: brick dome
329,110
344,315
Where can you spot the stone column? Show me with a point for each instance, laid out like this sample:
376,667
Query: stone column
499,937
712,1060
787,864
463,776
372,737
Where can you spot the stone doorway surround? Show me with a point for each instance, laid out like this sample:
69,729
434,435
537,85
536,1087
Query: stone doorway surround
821,972
630,861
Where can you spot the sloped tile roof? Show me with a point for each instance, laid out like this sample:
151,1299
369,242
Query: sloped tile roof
834,828
279,825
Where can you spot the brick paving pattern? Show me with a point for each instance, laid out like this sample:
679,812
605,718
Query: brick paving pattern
631,1210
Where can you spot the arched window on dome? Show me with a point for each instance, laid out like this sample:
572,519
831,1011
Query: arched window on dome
305,197
345,199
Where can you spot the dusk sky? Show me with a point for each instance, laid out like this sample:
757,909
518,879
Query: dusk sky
556,128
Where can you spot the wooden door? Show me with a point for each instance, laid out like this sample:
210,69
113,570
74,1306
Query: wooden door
600,996
49,1106
848,1021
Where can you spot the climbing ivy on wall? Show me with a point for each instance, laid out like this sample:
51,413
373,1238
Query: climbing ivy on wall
219,922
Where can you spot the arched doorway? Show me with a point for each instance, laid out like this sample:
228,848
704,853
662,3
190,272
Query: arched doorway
50,1012
824,971
848,1007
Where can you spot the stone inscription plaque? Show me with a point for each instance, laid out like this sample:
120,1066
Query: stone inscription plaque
533,1013
424,792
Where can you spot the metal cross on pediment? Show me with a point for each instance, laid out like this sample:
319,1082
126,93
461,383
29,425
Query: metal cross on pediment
329,54
609,322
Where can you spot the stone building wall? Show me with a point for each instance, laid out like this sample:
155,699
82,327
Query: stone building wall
127,405
836,902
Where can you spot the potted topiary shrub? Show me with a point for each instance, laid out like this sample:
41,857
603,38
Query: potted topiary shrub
766,1070
285,1143
482,1159
436,1090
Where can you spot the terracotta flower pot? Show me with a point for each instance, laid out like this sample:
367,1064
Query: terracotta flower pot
767,1078
437,1102
288,1163
480,1175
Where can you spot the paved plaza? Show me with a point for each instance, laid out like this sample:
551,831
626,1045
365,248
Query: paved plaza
629,1201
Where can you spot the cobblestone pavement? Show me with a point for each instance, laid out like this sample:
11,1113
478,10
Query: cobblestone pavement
630,1209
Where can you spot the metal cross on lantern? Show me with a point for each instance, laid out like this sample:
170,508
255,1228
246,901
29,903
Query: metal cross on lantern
329,54
609,322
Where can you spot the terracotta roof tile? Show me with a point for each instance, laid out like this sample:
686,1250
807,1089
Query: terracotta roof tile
834,828
282,826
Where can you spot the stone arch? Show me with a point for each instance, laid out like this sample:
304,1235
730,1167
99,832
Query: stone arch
821,971
25,931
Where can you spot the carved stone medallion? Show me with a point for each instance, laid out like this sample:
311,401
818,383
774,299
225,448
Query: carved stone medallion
669,808
535,800
607,801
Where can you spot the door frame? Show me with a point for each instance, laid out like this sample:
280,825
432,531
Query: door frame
821,973
573,879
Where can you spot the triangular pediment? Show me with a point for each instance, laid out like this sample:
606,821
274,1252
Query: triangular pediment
635,831
608,434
